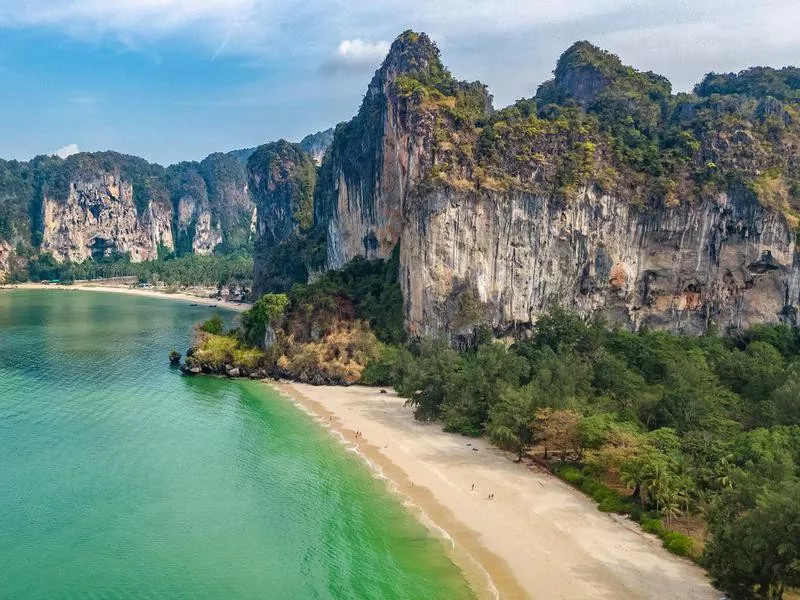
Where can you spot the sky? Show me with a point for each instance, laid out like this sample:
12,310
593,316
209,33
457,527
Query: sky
173,80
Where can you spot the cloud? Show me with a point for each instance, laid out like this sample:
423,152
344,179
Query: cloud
256,27
356,55
67,150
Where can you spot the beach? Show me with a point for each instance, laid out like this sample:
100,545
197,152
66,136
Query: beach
537,537
145,292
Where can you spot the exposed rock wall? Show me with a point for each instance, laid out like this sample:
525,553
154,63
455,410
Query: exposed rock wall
373,163
5,259
726,262
99,217
282,178
498,248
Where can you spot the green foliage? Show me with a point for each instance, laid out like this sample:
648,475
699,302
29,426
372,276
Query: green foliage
426,386
511,420
678,543
182,271
756,554
267,311
214,352
390,366
362,289
760,82
214,325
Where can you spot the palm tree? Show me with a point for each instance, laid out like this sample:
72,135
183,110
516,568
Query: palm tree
670,499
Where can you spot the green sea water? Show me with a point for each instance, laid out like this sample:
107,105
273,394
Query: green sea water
119,478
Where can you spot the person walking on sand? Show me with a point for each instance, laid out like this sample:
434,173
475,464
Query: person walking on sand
473,487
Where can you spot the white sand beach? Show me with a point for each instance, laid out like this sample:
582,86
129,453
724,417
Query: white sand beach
538,538
147,292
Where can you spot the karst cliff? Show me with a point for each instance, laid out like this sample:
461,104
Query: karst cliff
604,193
105,204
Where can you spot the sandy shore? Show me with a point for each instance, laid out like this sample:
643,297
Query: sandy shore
538,538
150,293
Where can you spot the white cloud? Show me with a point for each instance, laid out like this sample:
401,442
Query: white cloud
360,51
356,55
67,150
256,26
510,44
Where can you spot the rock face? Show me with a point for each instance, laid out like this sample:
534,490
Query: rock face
5,256
90,206
725,261
317,144
282,179
99,217
501,216
375,161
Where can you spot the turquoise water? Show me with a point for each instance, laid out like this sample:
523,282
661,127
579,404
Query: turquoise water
119,478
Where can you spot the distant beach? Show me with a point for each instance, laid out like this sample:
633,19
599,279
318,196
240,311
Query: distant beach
537,538
133,291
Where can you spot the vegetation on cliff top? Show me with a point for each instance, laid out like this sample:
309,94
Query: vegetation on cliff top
599,123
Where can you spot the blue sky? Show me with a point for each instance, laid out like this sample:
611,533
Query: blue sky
174,80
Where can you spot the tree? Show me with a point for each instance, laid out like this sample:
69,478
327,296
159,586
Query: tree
214,325
558,429
267,310
511,419
786,399
671,498
427,381
757,554
473,389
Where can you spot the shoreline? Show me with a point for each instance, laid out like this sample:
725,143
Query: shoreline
538,538
146,293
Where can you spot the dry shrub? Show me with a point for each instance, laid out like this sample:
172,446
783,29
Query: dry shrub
340,357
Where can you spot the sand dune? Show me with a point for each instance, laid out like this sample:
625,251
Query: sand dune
538,538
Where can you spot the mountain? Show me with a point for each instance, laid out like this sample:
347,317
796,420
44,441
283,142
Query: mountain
94,205
317,144
605,193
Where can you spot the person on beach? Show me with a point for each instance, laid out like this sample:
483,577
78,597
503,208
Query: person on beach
473,487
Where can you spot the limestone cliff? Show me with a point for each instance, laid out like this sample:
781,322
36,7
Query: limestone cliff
97,214
282,178
104,204
605,194
317,144
378,158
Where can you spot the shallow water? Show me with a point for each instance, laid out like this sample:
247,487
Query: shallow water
119,478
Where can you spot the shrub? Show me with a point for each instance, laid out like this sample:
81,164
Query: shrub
214,325
677,543
654,526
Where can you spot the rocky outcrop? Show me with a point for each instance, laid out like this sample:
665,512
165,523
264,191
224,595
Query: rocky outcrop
5,260
724,261
94,205
317,144
282,178
376,159
501,216
99,218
